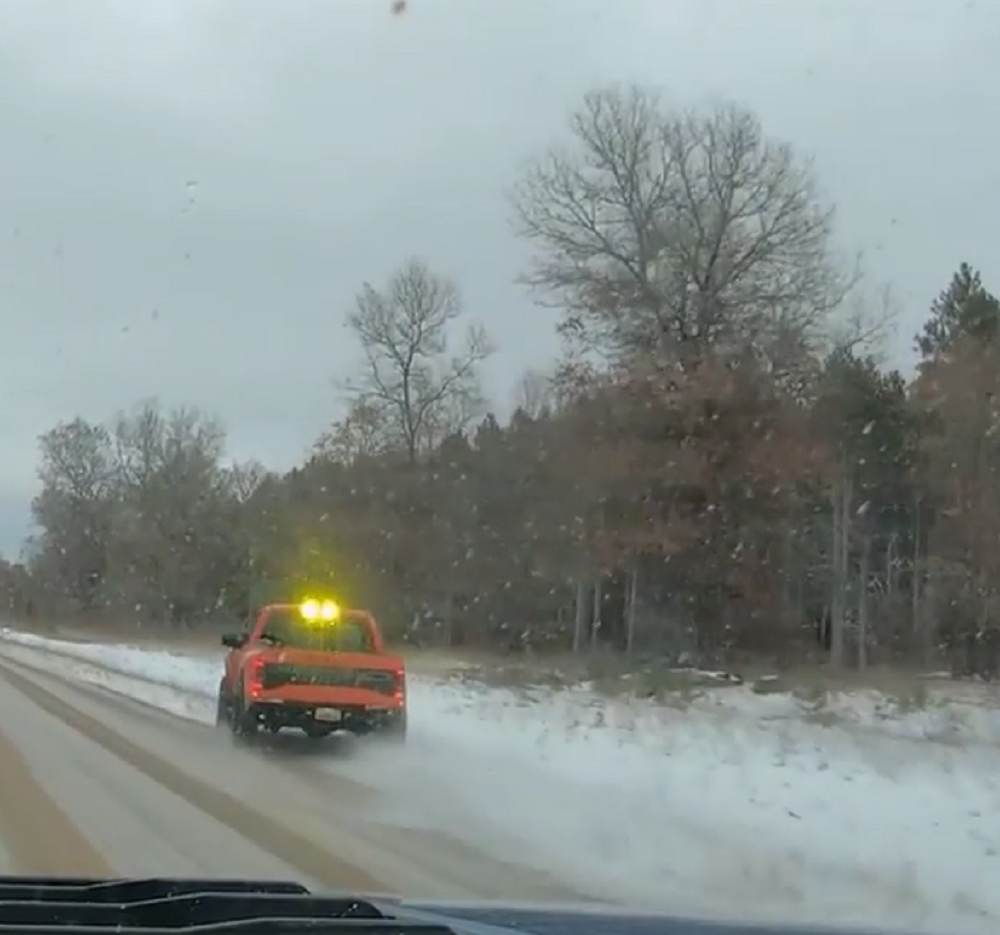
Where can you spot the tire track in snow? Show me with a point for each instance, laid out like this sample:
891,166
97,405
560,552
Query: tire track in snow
302,853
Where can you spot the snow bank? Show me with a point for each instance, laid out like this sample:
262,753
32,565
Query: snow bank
734,803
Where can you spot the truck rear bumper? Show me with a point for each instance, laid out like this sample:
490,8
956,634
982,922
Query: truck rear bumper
325,717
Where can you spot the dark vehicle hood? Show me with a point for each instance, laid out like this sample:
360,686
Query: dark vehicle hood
47,905
496,918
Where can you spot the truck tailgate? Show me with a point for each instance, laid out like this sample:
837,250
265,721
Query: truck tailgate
280,674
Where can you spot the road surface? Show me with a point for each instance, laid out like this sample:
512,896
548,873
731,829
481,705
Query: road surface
93,783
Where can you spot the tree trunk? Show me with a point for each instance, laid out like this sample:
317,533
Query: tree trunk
841,555
837,574
595,627
633,591
863,604
922,644
580,620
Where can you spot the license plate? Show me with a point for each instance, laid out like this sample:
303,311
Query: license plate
331,715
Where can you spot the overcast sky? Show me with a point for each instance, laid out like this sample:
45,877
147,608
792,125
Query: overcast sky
193,190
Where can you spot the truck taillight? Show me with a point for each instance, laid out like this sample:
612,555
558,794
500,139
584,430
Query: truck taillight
255,674
400,684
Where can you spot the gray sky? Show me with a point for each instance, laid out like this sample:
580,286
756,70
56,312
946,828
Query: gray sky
193,190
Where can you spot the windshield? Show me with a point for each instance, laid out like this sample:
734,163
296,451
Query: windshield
640,381
287,628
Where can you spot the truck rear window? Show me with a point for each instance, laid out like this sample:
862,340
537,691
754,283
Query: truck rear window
289,629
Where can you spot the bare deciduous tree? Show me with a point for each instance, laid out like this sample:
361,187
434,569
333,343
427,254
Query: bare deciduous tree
149,441
363,433
168,513
77,476
424,388
669,229
142,516
75,459
534,393
244,480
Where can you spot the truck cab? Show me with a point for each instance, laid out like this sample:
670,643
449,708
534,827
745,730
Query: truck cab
313,667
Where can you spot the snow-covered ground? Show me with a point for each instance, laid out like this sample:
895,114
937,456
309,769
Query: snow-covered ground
857,813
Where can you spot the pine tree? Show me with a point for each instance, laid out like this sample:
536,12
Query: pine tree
964,308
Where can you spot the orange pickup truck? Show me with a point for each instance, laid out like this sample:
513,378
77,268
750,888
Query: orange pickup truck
314,667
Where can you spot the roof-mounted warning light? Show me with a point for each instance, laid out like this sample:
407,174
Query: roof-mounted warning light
319,611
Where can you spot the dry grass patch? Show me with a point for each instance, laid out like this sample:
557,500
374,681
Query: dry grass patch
608,674
905,690
616,676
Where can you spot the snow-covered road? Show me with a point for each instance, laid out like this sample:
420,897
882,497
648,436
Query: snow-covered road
736,800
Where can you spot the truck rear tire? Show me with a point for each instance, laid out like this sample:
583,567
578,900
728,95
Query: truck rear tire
242,720
222,707
245,727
